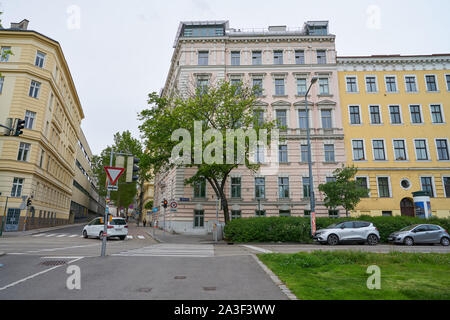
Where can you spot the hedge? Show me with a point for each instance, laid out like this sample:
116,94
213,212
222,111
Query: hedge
298,230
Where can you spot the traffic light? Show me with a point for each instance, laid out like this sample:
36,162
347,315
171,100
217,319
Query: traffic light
20,125
165,204
132,169
29,202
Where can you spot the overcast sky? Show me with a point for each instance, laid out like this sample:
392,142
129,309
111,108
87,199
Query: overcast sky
119,51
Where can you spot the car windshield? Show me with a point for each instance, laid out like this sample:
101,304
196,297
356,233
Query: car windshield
334,225
409,228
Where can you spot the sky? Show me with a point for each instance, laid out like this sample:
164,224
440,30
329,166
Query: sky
120,51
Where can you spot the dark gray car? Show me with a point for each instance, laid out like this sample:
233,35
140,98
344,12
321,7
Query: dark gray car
420,234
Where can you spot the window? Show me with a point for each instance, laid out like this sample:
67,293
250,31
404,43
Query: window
427,185
416,116
34,89
24,149
383,187
406,184
358,150
326,119
333,213
378,150
283,187
260,188
278,57
447,78
2,80
321,57
395,115
281,116
260,213
447,186
203,58
202,84
431,83
285,213
387,213
199,219
400,150
259,154
235,58
306,213
258,87
371,84
3,56
330,179
391,84
17,187
200,189
40,58
324,88
236,187
363,183
351,84
375,116
436,114
259,117
236,214
411,85
355,117
302,119
283,154
29,119
279,87
442,149
304,153
329,153
41,160
306,187
421,149
300,57
256,57
301,87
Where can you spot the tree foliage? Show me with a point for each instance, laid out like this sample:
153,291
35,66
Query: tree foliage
222,106
345,191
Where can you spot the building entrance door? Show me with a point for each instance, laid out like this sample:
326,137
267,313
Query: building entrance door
12,220
407,208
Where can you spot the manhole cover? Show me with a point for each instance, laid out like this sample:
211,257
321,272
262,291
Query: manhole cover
53,263
209,288
144,290
180,277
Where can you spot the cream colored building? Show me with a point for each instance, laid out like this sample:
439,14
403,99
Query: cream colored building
37,86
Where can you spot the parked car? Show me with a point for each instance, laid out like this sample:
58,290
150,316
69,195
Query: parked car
420,234
118,227
351,231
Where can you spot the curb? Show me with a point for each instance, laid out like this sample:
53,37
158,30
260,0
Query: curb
275,279
154,237
36,231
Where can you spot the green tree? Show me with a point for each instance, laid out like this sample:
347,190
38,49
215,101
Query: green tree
222,106
6,52
345,191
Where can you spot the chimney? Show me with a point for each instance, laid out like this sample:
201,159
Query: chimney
277,28
22,25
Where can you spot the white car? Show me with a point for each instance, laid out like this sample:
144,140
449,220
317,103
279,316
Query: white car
118,227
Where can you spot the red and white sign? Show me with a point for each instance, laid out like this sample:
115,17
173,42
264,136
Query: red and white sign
114,174
174,205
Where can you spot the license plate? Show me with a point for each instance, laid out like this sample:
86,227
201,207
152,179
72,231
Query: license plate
119,229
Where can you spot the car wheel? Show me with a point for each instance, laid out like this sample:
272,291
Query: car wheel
333,240
408,241
372,240
445,242
122,238
85,235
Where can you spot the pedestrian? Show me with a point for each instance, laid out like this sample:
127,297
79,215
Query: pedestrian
144,222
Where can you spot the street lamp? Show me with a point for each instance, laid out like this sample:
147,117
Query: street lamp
311,182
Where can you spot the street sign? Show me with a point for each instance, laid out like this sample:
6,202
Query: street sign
114,174
185,199
173,205
113,188
155,210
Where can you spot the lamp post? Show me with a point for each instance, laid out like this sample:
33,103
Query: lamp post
311,181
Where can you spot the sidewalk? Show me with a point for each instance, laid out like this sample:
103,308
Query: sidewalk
166,237
36,231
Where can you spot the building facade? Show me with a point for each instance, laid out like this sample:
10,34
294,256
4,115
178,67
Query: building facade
37,86
395,112
282,62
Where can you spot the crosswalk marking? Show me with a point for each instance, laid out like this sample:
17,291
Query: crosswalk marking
171,250
66,235
62,235
141,237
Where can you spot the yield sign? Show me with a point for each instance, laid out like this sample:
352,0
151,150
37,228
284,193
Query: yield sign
114,174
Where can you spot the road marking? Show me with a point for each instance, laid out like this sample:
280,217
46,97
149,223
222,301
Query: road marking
73,236
56,249
171,250
39,235
130,237
257,249
141,237
62,235
50,235
37,274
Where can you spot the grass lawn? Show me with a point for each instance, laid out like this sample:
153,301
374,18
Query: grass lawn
342,275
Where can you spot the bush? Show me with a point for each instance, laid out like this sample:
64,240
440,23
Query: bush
298,230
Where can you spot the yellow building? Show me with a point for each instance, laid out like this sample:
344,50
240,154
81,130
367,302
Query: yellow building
37,86
396,113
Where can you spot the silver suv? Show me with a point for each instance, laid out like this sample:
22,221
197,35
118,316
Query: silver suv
420,233
351,231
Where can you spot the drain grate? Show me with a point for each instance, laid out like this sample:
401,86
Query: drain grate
209,288
53,263
144,290
180,278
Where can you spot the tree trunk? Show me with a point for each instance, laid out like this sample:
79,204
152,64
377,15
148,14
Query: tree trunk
141,202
